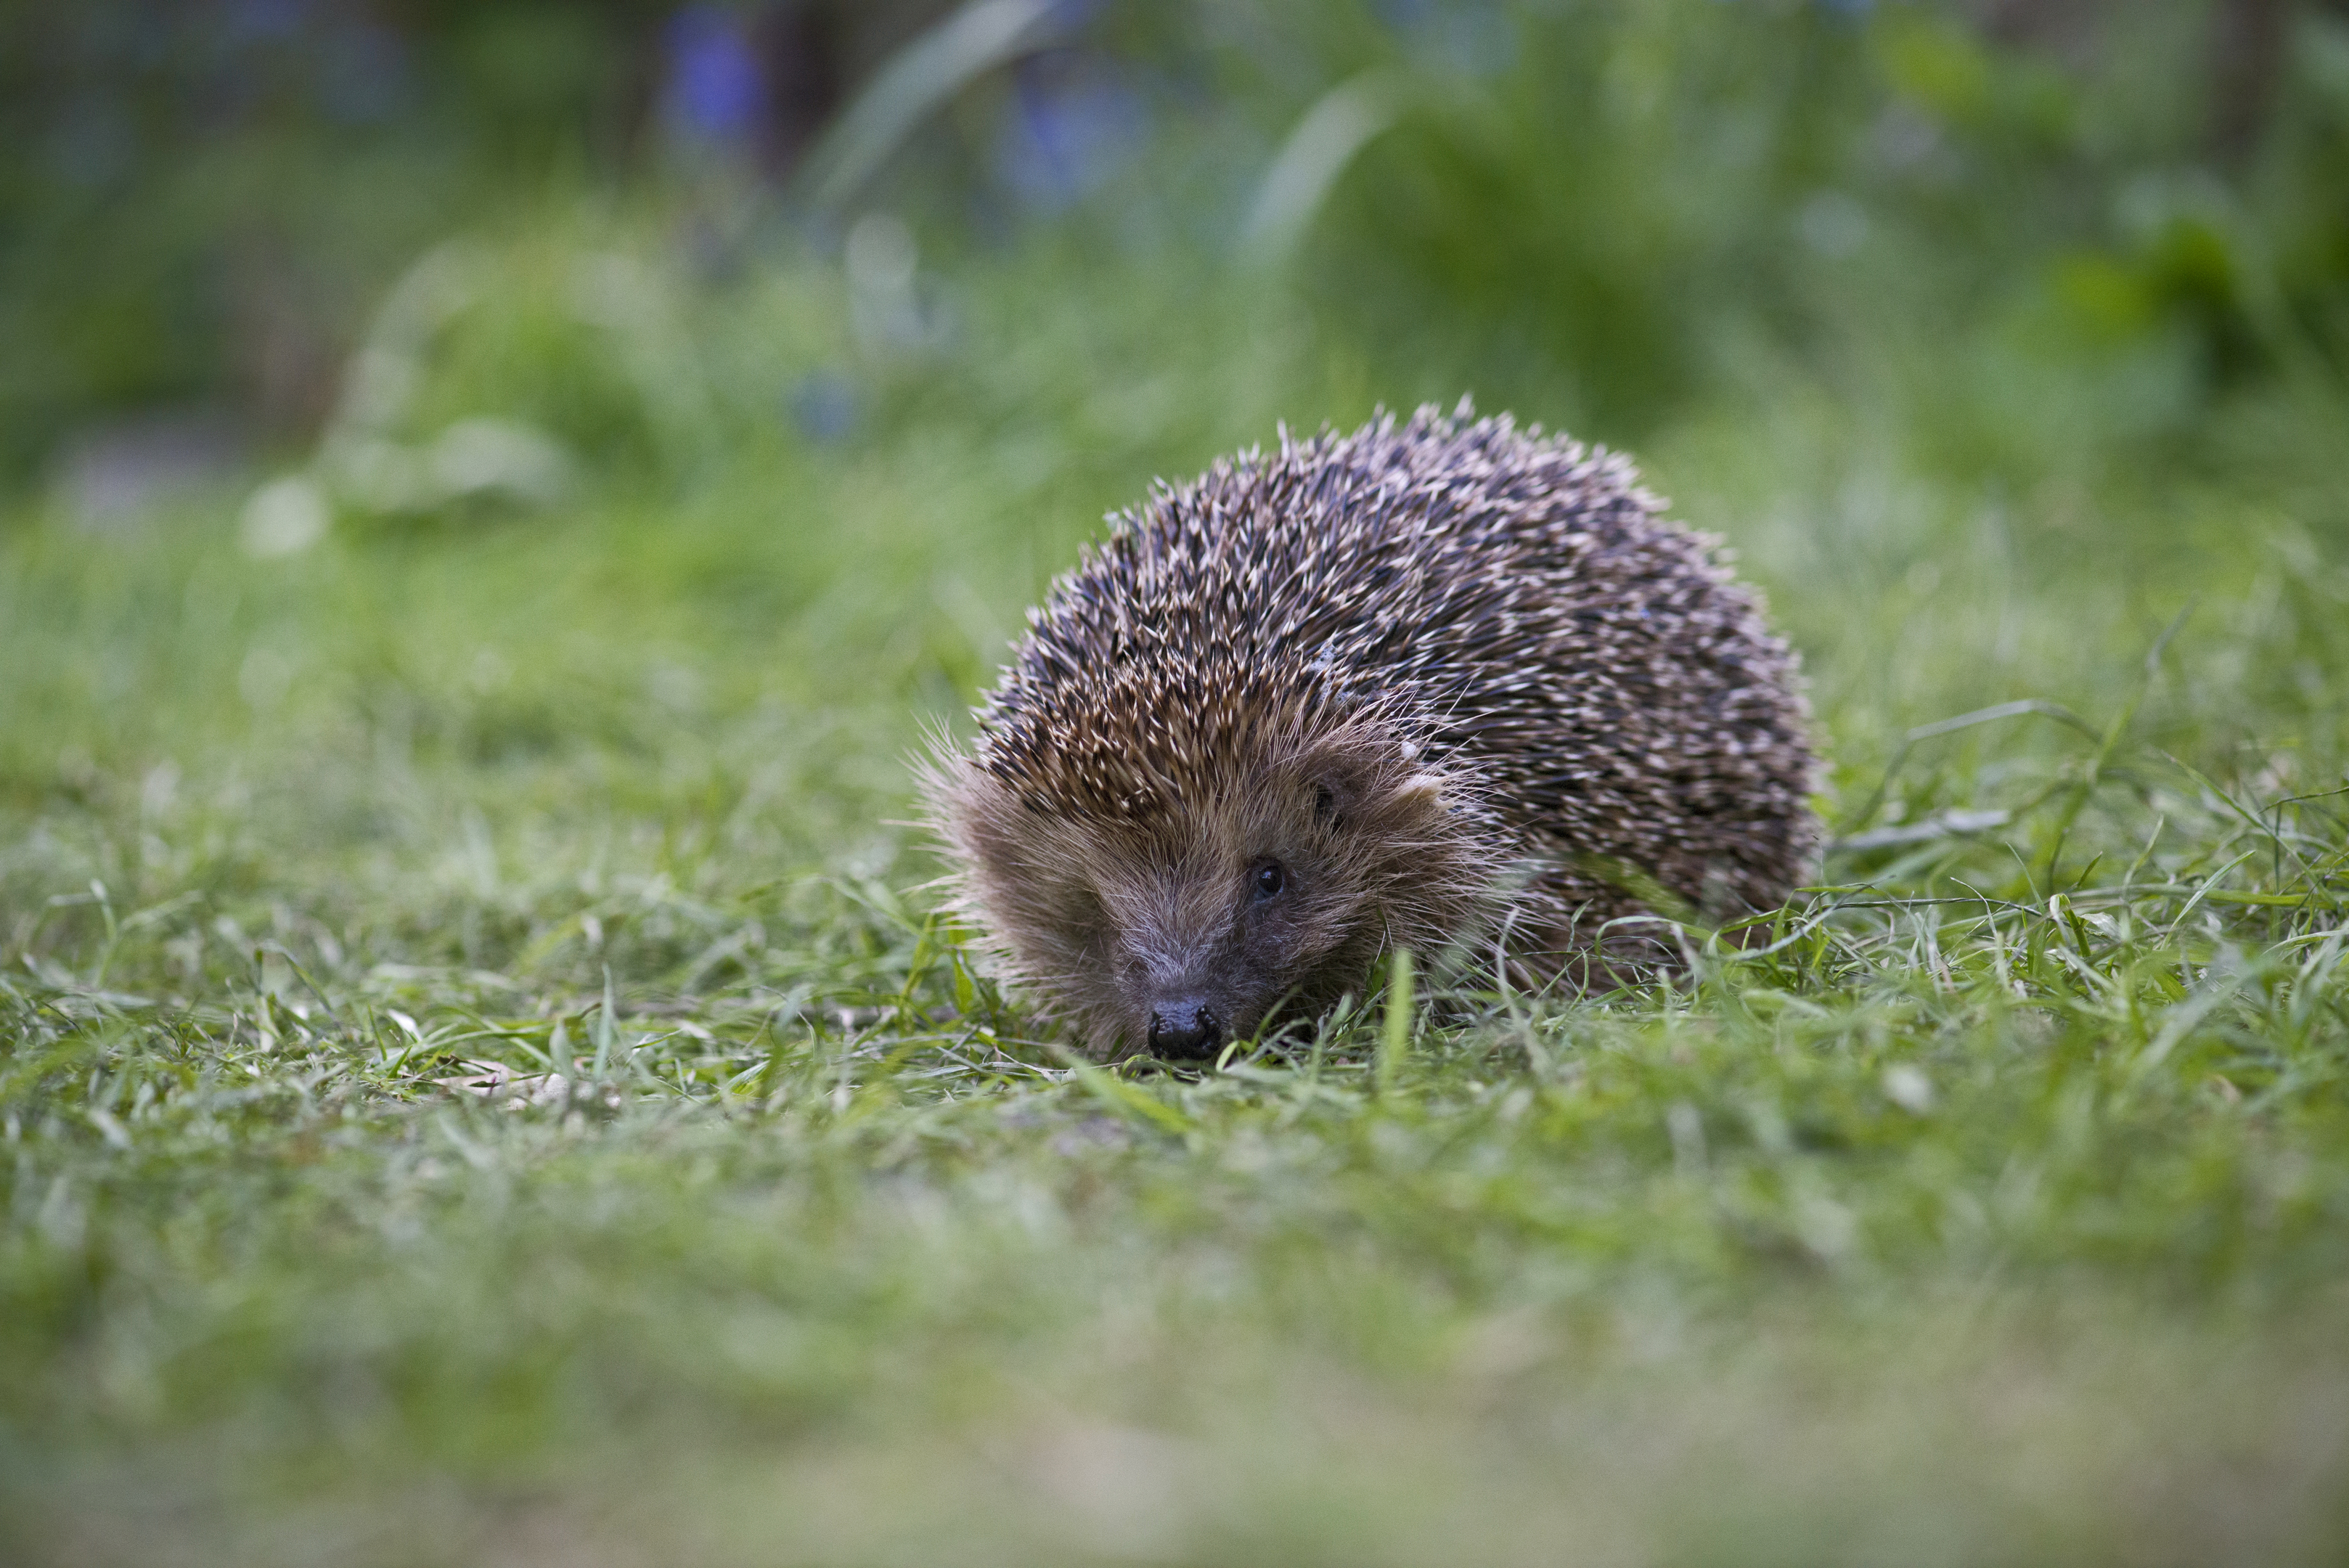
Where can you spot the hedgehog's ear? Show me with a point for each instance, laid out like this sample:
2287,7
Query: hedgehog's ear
1418,795
1350,777
1387,804
1343,786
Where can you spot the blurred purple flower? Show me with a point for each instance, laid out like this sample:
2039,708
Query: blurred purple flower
713,90
1073,123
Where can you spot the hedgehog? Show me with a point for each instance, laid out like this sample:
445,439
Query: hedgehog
1443,684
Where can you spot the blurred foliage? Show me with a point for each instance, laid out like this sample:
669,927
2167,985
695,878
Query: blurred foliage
199,199
1602,210
1635,192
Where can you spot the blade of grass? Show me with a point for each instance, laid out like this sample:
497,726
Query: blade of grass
1394,1040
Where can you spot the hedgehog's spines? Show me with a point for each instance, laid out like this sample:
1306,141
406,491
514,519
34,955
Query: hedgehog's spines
1502,599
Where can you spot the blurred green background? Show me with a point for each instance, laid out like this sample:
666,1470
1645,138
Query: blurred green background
492,495
1609,212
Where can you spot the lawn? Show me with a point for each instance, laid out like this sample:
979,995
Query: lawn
484,1080
483,1077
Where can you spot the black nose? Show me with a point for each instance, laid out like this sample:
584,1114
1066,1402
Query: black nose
1184,1029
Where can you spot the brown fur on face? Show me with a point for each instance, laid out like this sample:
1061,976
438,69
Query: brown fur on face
1109,920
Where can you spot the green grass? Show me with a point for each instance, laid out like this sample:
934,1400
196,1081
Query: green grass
481,1081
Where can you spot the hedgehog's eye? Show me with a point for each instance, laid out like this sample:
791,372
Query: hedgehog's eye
1268,880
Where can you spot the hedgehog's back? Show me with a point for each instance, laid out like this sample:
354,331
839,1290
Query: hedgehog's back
1512,598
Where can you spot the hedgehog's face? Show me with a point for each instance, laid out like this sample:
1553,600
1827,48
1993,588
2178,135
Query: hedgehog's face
1198,925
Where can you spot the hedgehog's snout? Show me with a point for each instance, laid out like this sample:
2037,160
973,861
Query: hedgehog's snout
1185,1029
